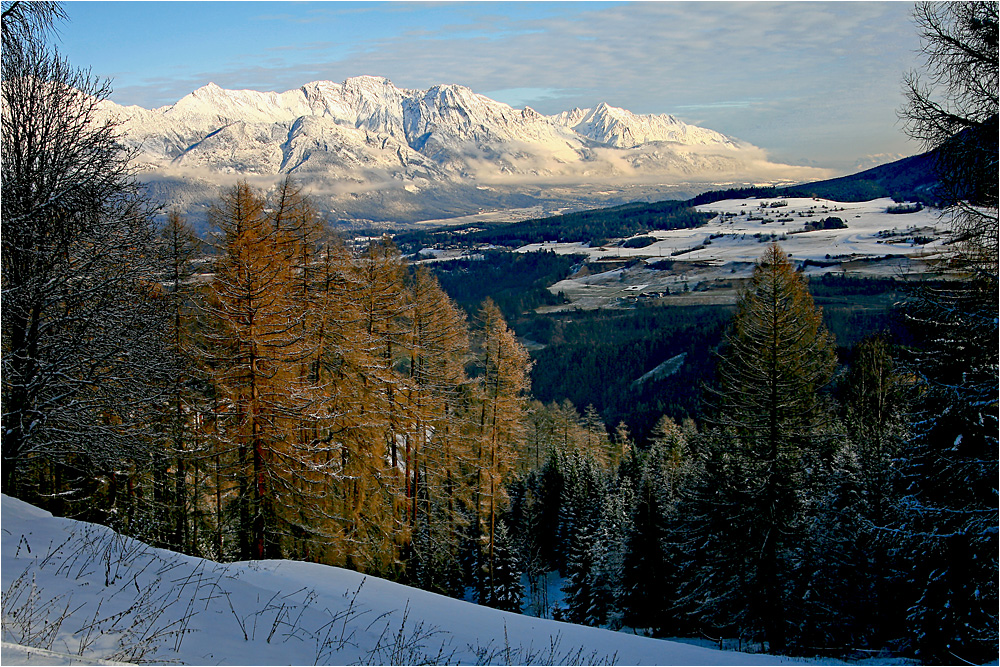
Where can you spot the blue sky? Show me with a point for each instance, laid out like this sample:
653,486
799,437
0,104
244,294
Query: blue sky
812,83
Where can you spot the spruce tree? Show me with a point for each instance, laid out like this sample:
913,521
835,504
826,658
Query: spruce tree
610,548
645,561
947,532
579,586
946,537
506,590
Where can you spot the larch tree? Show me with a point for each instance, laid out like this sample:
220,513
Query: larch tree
436,444
179,247
257,348
504,365
382,304
777,356
299,234
769,442
356,407
345,450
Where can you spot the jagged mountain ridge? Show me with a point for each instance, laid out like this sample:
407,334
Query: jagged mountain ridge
365,144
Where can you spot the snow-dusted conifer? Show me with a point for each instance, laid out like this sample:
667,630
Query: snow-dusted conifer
748,507
609,549
947,535
503,379
506,590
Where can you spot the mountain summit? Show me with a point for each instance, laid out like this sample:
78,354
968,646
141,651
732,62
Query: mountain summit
367,149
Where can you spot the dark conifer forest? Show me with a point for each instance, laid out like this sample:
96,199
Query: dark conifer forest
800,476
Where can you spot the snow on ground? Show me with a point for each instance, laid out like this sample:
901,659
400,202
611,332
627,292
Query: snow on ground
15,654
730,236
707,259
82,594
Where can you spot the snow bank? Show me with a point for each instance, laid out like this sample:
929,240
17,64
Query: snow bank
83,594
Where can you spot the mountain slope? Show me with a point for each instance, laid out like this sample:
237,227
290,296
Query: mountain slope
367,149
623,129
105,597
911,178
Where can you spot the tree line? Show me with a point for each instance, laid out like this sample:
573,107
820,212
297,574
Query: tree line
805,513
286,397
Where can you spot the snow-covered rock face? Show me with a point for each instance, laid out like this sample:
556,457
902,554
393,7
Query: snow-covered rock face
623,129
367,132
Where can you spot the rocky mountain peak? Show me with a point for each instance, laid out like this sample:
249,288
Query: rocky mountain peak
367,134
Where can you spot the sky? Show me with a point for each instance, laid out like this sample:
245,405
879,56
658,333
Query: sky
812,83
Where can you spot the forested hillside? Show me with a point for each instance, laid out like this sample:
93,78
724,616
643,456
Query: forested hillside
517,282
774,476
594,227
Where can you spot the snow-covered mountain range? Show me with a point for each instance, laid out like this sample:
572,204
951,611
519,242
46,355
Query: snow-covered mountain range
367,149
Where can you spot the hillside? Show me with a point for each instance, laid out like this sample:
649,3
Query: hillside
910,179
81,594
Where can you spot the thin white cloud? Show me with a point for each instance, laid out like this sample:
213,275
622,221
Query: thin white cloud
822,66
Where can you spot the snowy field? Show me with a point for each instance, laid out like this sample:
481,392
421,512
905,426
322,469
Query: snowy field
705,261
81,594
732,235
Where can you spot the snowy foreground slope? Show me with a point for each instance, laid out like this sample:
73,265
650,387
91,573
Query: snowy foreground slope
82,594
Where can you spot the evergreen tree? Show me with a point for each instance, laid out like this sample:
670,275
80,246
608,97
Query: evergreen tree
644,565
947,531
947,538
876,420
610,548
874,397
579,587
548,491
506,591
769,446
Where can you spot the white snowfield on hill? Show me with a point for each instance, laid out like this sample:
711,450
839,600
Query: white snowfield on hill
733,235
81,594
